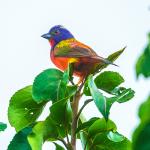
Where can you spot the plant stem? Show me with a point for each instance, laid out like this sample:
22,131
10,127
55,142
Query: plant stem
75,105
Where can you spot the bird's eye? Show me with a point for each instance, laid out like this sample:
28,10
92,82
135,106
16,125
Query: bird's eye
56,32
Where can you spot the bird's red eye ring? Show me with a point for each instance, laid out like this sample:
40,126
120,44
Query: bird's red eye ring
56,32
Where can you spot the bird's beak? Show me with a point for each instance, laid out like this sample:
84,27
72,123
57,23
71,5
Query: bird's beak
46,36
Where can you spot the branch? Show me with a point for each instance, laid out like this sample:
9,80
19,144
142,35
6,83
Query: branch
85,103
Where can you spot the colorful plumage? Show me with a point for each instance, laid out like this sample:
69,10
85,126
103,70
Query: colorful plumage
66,49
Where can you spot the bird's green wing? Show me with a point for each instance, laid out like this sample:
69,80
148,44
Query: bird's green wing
73,48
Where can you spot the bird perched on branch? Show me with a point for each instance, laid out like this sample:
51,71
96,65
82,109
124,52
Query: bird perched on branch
66,49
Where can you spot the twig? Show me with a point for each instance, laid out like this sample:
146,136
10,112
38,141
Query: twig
82,84
85,103
72,82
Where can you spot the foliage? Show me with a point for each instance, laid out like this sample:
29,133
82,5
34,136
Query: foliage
143,63
102,135
141,135
104,103
63,120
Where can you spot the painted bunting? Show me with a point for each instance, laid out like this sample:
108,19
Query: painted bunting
66,49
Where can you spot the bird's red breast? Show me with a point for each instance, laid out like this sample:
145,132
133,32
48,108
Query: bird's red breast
60,62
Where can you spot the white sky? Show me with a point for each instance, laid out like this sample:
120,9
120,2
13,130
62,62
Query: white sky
105,25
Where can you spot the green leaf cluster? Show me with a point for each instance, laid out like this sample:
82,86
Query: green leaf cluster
104,81
57,87
99,134
27,104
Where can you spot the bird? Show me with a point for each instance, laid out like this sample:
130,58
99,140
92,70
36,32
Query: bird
66,49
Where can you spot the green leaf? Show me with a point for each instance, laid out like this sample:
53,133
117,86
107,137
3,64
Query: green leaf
61,111
86,89
20,141
141,137
102,104
3,126
101,142
115,136
143,63
71,90
86,124
62,88
58,147
46,85
100,126
115,55
124,96
108,81
70,71
23,110
42,131
111,58
144,111
117,91
51,84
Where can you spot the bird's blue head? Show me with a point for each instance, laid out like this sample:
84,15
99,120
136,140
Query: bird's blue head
57,34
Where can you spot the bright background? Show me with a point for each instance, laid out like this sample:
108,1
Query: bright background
105,25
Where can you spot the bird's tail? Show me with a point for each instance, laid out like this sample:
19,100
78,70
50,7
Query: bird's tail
105,61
